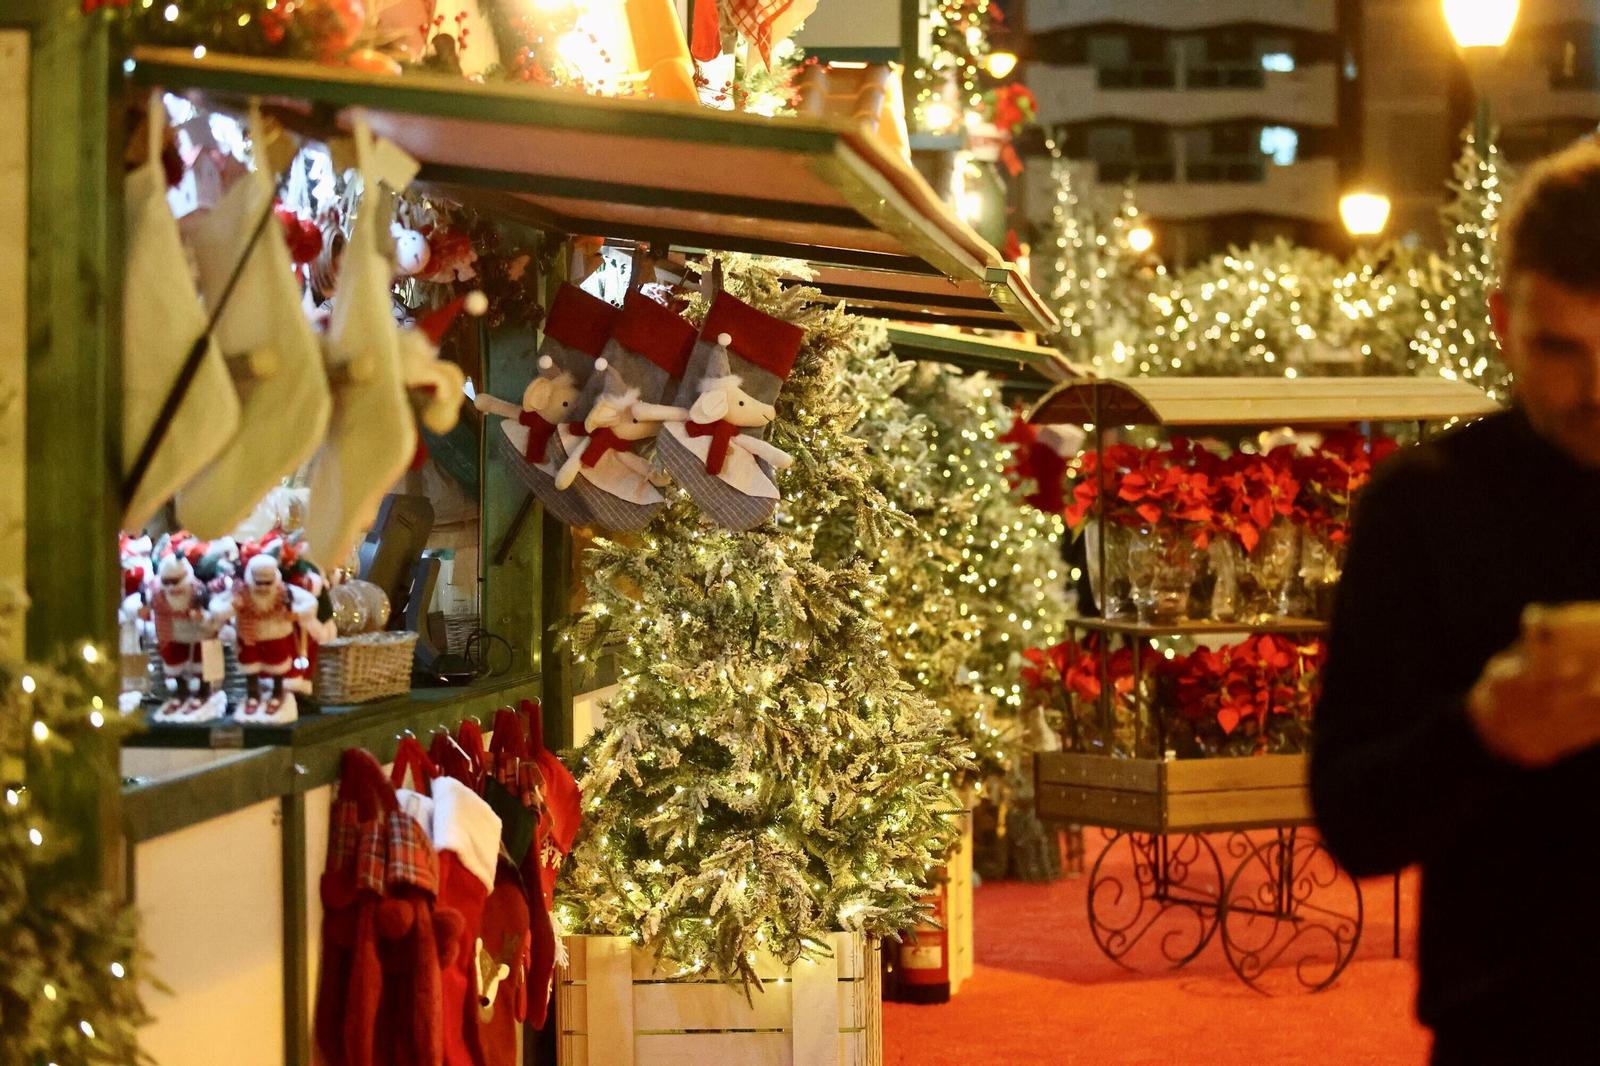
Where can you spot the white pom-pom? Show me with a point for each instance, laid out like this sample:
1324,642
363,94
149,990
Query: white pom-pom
724,339
477,303
600,364
545,362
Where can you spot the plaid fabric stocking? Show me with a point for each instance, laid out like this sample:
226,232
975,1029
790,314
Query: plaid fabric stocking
719,452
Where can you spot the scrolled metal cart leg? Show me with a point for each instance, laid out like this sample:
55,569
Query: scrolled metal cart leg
1290,917
1157,891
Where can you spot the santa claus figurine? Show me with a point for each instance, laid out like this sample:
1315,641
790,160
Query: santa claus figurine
268,616
183,628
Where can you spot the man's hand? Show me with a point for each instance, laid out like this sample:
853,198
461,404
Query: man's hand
1533,718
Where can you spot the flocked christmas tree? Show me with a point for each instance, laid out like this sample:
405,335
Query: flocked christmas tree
764,776
1455,337
69,986
928,635
1095,281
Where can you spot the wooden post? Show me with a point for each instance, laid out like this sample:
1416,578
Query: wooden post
73,375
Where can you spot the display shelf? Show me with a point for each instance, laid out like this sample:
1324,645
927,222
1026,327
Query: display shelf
812,189
1190,401
1129,628
154,804
336,722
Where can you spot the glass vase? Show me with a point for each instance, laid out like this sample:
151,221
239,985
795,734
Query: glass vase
1321,564
1111,596
1270,570
1161,571
1225,559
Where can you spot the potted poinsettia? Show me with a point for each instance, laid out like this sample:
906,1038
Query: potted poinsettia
1250,698
1066,680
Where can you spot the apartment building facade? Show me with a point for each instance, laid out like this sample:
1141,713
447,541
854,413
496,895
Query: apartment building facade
1237,119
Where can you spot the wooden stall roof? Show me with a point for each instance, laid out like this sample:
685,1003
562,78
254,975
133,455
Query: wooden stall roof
1024,366
812,189
1002,301
1200,401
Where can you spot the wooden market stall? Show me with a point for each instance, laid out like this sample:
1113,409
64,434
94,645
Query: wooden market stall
247,805
1269,891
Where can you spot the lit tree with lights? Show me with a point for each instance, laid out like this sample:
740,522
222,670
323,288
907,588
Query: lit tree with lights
1097,284
930,635
1001,559
69,987
765,775
945,80
1455,338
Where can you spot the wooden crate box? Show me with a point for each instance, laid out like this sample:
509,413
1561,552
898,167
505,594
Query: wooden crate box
616,1009
1177,796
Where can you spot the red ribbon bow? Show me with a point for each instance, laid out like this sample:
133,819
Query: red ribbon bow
601,441
721,433
539,431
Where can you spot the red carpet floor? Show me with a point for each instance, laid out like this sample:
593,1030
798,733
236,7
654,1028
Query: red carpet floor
1043,993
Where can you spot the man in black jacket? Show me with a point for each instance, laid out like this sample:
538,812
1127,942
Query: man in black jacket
1436,742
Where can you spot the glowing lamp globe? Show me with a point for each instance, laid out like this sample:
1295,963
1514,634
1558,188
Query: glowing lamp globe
1141,239
1481,23
1000,64
1365,214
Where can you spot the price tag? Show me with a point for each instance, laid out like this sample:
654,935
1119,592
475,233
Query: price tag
212,664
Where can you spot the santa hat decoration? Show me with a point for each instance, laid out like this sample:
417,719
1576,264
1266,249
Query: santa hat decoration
575,333
1039,455
436,384
648,351
719,452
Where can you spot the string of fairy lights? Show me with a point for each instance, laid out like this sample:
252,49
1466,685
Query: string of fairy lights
945,80
1280,308
69,991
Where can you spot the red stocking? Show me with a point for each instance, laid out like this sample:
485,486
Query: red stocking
350,981
466,832
507,949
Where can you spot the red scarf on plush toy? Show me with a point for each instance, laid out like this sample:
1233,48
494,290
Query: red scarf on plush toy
540,429
721,433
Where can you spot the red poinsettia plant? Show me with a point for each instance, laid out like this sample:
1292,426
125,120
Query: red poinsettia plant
1248,698
1332,474
1250,492
1067,680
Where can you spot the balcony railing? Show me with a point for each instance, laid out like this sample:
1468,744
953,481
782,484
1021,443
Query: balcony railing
1137,76
1226,76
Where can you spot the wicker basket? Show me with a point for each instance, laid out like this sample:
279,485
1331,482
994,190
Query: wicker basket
365,667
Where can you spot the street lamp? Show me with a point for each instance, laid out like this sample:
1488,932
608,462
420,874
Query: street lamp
1000,64
1481,23
1481,29
1365,214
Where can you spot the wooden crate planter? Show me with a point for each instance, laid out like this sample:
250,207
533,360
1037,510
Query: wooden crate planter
1177,796
616,1009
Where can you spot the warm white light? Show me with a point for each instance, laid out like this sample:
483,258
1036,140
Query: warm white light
1365,214
939,116
1000,64
1481,23
1141,239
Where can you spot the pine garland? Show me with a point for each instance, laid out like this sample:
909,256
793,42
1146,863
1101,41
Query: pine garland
69,986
